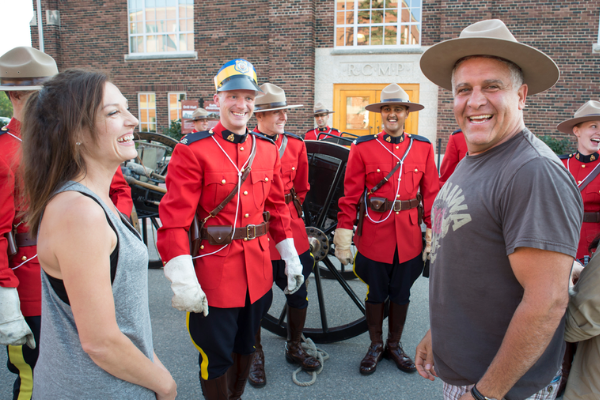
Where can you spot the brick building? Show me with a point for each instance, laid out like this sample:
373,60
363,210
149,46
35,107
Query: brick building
341,53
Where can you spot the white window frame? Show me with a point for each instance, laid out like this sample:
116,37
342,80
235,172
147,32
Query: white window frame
178,105
148,112
398,24
145,34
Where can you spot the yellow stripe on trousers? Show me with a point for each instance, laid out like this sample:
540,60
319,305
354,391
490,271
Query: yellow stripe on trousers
15,355
354,270
204,365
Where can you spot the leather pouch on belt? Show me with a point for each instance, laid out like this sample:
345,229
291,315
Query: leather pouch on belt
219,234
377,203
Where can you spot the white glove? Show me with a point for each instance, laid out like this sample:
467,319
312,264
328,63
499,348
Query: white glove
293,266
342,238
14,331
184,283
427,249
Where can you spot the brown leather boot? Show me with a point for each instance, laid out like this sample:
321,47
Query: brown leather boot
294,352
393,348
237,375
374,314
257,377
215,389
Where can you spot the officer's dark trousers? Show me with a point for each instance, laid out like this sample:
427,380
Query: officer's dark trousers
21,361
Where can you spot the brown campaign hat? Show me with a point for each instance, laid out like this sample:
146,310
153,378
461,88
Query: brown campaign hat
321,109
394,94
490,38
199,113
25,68
590,111
272,98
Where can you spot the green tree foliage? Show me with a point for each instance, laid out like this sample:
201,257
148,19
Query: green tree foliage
558,145
6,109
174,130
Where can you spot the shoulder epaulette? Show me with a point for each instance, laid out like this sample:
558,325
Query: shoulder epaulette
334,129
194,137
457,131
3,130
263,137
565,156
310,130
365,138
419,138
292,135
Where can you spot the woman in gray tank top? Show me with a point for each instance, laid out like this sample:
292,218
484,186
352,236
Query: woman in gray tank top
96,337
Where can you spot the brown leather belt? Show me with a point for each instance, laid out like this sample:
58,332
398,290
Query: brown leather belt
288,198
219,234
591,217
381,204
23,240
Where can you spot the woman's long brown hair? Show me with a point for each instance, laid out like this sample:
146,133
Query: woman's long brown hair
55,119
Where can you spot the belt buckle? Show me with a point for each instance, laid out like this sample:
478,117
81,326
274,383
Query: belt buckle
253,227
399,204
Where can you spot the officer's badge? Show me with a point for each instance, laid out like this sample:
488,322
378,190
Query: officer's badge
184,141
577,156
401,138
388,139
241,66
230,137
592,157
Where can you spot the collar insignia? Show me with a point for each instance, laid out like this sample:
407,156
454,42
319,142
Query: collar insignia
184,141
4,128
388,139
592,158
586,159
230,137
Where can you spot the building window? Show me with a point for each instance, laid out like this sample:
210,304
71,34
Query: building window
147,108
175,105
378,23
161,26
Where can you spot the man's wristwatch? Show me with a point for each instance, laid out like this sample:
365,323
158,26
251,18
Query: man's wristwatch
478,396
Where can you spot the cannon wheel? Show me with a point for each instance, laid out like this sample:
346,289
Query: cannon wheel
327,166
145,199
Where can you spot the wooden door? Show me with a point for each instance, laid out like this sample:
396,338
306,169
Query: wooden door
349,101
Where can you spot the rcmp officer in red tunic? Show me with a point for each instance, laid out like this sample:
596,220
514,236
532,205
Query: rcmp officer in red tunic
231,276
200,119
394,175
22,72
321,119
271,112
456,150
584,166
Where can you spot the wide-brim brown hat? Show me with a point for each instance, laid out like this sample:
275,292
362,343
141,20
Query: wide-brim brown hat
272,98
25,68
590,111
321,109
489,38
394,95
199,114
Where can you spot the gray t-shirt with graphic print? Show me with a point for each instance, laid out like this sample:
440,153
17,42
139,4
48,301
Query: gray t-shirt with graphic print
517,194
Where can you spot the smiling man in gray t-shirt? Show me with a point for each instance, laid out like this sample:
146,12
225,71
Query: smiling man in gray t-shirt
505,228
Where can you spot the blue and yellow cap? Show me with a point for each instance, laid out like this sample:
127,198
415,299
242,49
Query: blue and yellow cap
235,75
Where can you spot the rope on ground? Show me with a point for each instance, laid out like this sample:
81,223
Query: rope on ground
309,346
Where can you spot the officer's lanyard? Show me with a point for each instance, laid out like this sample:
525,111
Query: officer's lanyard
16,137
239,174
583,180
401,162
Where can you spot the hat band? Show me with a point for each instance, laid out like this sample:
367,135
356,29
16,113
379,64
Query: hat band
16,82
266,106
588,115
397,100
321,111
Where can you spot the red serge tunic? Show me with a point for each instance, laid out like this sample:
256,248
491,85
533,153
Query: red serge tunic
581,166
456,149
200,177
22,271
294,172
368,164
314,133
